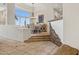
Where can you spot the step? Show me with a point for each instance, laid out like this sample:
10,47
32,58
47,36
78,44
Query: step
38,38
42,36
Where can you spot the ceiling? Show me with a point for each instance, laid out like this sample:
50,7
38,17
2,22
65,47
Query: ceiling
29,6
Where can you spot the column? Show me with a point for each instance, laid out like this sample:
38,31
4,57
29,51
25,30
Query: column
10,14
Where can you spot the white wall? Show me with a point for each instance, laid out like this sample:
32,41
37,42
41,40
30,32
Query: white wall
58,27
26,33
10,32
44,9
14,33
71,24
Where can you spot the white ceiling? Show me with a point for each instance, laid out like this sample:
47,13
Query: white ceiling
29,4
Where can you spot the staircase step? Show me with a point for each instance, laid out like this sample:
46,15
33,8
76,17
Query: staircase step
41,36
38,38
45,36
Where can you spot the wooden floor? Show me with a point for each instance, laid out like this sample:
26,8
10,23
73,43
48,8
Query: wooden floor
31,48
9,47
66,50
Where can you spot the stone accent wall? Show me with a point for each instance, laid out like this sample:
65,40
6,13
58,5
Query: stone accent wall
54,37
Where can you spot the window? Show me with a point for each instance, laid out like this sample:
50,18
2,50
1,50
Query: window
21,17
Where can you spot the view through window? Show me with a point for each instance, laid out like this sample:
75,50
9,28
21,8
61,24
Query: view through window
22,17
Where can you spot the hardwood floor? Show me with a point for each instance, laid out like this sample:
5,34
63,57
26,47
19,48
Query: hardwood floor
32,48
10,47
67,50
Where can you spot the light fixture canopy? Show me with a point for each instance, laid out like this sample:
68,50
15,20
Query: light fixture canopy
33,16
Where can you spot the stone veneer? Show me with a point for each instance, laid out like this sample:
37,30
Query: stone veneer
54,37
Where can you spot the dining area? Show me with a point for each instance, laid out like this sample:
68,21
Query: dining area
39,28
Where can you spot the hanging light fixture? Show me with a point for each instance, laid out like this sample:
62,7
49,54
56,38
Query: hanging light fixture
33,8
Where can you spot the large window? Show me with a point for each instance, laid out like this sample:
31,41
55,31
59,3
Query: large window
22,17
